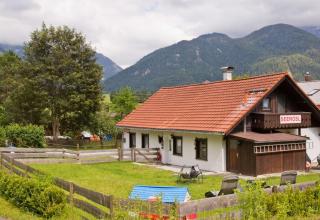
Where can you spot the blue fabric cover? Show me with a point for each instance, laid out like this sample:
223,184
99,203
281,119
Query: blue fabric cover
169,194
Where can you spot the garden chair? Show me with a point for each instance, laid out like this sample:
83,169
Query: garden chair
194,173
288,177
228,185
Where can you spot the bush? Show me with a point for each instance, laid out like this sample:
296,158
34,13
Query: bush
26,135
255,203
33,195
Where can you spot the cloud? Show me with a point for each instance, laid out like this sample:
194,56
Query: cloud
126,30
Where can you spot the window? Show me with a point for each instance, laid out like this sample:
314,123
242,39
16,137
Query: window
132,140
177,145
266,104
160,140
145,140
201,148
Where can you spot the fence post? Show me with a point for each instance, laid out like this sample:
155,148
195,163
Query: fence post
111,206
1,165
63,151
71,193
11,164
78,153
134,155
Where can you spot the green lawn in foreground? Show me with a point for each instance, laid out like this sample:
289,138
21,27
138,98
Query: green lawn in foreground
7,210
118,178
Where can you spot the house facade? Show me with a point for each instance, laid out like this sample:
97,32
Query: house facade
312,90
250,126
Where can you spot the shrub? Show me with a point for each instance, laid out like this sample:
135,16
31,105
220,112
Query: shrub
255,203
34,195
26,135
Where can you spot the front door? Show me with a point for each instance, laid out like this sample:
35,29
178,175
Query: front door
233,156
132,140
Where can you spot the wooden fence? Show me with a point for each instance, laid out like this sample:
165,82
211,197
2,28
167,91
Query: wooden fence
149,155
96,203
13,165
104,206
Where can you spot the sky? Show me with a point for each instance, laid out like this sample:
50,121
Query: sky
127,30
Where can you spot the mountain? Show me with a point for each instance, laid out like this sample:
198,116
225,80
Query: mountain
18,49
279,47
109,67
315,30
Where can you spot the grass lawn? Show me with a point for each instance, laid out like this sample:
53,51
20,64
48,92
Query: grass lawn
7,210
118,178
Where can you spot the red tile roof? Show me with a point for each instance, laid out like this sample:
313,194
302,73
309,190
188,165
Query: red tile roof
209,107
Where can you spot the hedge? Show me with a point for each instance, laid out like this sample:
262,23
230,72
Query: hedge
25,135
32,194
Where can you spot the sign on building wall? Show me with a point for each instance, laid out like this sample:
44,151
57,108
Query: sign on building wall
290,119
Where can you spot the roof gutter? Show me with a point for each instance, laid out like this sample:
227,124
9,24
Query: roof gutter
172,130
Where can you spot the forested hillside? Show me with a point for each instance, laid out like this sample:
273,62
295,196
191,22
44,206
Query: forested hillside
273,48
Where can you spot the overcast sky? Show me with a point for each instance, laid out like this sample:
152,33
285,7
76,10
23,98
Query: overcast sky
126,30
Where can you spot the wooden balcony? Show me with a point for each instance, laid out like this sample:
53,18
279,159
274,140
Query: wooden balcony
266,120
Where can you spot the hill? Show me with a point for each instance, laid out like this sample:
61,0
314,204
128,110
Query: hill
272,48
315,30
109,67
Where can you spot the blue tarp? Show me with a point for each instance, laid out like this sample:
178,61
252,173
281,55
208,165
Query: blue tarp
169,194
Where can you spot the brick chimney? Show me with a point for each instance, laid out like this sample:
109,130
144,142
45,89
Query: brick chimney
307,77
227,72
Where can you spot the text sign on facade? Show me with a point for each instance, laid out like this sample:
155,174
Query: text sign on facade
290,119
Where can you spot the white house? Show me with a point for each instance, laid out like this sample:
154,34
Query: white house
250,126
312,89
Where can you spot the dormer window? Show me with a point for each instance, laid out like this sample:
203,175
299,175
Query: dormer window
266,104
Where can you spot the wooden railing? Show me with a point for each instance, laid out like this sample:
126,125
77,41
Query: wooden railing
149,155
10,162
266,120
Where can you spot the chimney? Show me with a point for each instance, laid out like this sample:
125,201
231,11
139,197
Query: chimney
307,77
227,72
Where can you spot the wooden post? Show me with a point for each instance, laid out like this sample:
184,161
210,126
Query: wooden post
111,206
1,165
63,151
11,164
71,193
78,153
134,155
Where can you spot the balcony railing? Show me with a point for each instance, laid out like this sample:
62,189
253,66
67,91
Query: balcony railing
266,120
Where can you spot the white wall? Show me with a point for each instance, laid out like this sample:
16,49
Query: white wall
216,149
313,145
313,149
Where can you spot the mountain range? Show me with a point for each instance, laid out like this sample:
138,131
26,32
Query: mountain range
110,68
273,48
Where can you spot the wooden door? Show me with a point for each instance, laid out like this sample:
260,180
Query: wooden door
132,140
233,156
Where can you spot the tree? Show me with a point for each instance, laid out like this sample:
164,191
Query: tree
10,64
65,72
123,102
